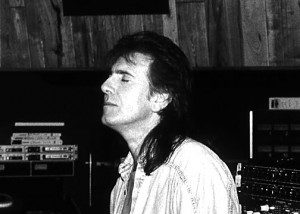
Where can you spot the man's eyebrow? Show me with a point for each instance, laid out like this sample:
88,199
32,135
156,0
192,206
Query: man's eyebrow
123,72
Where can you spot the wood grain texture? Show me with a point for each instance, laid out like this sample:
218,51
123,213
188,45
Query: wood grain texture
283,18
212,29
231,44
135,23
190,1
100,40
65,35
43,25
1,7
291,31
193,32
153,23
109,30
82,41
275,32
170,24
14,36
45,21
36,34
17,3
254,29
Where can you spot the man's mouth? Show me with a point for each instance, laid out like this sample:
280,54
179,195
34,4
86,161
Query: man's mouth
109,104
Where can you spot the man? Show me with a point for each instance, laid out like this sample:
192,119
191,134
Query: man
146,101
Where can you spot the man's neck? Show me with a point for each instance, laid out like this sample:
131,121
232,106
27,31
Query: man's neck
135,141
135,136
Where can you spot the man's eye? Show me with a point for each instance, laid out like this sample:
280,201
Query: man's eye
124,79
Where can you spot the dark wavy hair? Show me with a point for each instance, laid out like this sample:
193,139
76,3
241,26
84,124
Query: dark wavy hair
170,72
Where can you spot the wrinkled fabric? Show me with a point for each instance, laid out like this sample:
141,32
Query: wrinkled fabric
194,180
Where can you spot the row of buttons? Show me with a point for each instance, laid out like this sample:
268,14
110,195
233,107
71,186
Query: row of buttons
271,174
272,191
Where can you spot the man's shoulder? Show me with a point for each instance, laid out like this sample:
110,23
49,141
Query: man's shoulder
192,152
194,158
191,148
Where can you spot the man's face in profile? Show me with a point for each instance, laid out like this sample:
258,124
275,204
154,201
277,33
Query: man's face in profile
126,94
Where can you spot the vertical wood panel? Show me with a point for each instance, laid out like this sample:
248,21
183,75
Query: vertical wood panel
99,40
232,48
111,28
14,48
255,43
291,31
283,32
153,23
21,50
1,13
190,1
224,33
106,32
275,32
212,27
135,23
115,27
16,3
68,51
35,35
43,28
90,46
85,40
170,23
193,32
144,22
81,40
65,35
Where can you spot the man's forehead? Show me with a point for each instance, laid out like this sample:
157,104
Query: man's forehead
136,60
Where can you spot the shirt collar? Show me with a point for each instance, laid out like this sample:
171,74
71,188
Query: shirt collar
126,165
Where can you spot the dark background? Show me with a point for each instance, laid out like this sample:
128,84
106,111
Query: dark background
222,99
114,7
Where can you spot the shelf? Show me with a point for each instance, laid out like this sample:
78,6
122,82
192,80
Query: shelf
36,168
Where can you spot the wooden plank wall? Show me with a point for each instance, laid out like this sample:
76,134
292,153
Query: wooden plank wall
36,34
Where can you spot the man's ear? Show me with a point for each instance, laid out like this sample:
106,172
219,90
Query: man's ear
160,101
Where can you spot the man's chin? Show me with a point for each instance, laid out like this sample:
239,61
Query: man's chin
107,122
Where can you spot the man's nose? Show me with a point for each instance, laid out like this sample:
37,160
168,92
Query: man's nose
107,87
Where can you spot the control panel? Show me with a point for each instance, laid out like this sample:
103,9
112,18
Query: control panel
268,189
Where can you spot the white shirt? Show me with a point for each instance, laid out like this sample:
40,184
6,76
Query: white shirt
193,181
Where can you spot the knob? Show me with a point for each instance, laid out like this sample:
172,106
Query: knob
264,208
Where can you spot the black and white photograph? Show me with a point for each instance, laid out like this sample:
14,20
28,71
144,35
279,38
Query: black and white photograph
149,107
